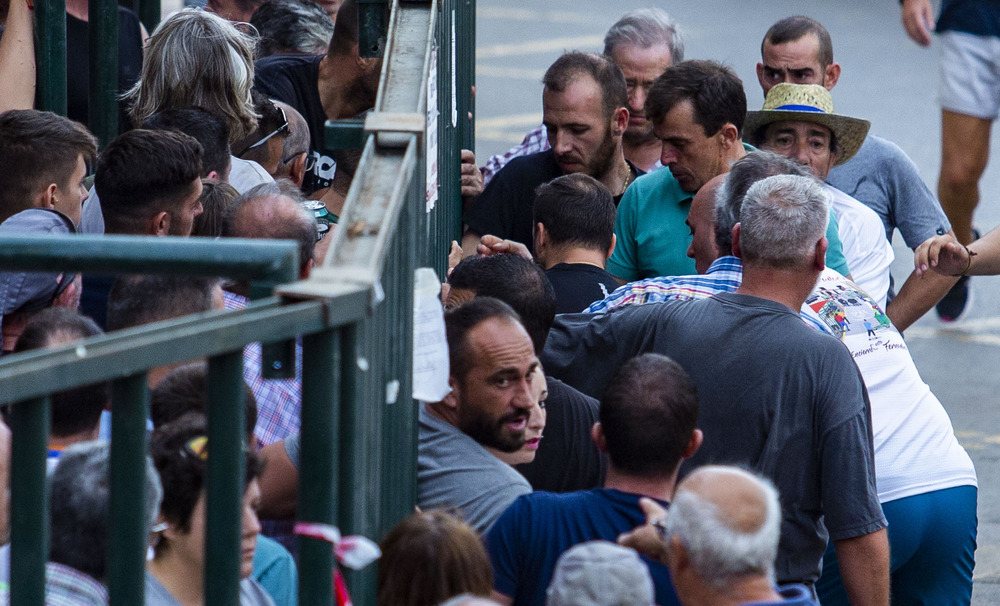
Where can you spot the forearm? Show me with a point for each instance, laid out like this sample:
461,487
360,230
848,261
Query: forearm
916,297
986,261
864,568
17,59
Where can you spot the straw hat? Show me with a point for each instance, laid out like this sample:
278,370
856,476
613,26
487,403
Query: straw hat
808,103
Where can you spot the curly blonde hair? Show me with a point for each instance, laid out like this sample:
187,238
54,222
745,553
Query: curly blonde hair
197,59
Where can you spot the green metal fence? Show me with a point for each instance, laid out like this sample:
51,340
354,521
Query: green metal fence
354,317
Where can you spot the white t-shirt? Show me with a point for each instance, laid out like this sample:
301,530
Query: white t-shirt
866,249
915,446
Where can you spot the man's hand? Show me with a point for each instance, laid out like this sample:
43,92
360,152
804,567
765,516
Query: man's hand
646,539
918,19
492,245
472,179
943,254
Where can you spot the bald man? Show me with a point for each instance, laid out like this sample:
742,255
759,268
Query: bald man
719,540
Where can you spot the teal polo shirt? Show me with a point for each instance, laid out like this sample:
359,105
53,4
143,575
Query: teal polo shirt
653,237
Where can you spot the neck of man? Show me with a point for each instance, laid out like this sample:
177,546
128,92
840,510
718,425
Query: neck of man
643,153
572,254
79,9
789,287
182,579
660,487
618,175
736,152
444,412
337,74
749,590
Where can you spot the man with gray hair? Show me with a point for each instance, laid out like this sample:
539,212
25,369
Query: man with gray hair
600,573
79,512
643,43
777,397
720,540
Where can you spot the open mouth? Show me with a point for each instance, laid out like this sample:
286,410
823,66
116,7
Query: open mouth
532,443
517,424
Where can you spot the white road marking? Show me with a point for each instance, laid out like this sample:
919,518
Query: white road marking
591,42
966,331
513,73
525,14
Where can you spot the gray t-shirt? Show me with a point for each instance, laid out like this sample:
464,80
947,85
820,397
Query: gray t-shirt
251,594
774,395
293,448
454,472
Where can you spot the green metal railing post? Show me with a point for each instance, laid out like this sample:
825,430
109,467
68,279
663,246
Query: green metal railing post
319,469
29,520
50,56
466,71
104,70
149,13
373,22
225,478
127,547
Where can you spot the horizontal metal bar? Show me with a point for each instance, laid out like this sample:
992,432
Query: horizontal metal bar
266,260
120,354
344,134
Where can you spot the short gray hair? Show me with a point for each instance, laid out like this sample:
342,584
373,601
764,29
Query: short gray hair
80,504
781,220
197,59
719,553
729,196
646,27
292,26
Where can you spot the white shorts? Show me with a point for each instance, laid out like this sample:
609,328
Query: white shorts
970,74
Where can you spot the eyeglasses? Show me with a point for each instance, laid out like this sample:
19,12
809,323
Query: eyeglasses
281,128
197,447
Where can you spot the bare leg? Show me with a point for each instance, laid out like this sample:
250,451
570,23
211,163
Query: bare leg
965,149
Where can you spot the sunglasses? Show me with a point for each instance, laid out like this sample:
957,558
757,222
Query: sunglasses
283,127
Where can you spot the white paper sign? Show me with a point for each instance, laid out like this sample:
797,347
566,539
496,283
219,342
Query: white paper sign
430,345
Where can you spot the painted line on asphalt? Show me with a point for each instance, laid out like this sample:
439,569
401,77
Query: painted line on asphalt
511,73
967,331
526,14
540,46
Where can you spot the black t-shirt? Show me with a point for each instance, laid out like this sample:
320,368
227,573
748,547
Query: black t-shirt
78,65
506,207
294,79
577,285
567,459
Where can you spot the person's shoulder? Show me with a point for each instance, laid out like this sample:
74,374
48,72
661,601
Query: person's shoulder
661,181
537,165
567,395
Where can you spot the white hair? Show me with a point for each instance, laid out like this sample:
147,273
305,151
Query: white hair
719,553
781,219
646,27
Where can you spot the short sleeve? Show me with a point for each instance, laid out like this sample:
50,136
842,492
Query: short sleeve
624,263
917,212
293,448
835,259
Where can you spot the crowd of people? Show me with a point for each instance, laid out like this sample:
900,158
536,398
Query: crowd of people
677,371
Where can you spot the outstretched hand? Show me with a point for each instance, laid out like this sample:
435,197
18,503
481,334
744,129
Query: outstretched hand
492,245
942,254
918,19
646,539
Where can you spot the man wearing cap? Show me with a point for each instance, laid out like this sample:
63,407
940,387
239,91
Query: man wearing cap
23,294
798,121
799,50
600,573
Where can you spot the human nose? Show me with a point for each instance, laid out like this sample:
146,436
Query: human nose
637,99
251,523
668,155
561,144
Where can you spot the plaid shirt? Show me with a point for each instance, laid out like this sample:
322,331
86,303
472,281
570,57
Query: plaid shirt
279,401
724,275
534,142
65,586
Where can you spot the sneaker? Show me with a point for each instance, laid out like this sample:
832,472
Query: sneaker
955,305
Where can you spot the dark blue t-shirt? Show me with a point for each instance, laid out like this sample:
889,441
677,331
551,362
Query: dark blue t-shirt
528,538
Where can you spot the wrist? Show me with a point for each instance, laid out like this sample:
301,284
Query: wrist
968,266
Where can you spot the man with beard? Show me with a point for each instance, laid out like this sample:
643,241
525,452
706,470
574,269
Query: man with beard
643,43
584,113
492,363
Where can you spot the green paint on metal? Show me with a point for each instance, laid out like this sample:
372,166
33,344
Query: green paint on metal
224,480
373,21
345,134
149,13
29,520
104,70
127,547
50,56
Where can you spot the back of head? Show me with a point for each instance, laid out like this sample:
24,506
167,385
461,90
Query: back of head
142,299
648,413
345,29
781,220
714,90
729,522
430,557
516,281
607,75
216,198
266,211
600,573
742,174
142,173
794,28
458,322
205,127
36,149
645,28
195,58
292,27
185,389
80,507
576,210
76,410
272,123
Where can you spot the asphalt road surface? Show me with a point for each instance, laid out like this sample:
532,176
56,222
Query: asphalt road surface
886,78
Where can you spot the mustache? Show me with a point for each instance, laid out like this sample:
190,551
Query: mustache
513,417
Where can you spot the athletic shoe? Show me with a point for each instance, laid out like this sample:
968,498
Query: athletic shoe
955,305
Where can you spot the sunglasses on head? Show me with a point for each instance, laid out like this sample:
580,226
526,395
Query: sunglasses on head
281,128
